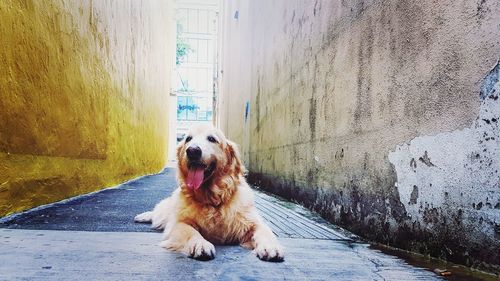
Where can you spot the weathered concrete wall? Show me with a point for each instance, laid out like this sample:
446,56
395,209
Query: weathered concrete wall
380,115
84,88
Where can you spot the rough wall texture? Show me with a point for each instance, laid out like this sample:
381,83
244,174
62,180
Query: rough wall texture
84,87
381,115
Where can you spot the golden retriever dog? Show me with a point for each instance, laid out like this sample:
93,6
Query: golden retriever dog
213,203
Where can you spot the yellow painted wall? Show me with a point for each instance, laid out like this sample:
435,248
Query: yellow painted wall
83,96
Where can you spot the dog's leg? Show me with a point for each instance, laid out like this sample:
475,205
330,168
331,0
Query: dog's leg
144,217
184,238
158,217
266,244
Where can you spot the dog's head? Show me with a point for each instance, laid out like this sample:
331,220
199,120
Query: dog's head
205,156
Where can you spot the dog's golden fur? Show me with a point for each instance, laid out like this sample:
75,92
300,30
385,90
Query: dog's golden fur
221,211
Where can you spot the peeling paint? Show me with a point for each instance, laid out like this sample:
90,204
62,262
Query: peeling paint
463,177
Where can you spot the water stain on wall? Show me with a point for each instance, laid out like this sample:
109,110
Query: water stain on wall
361,77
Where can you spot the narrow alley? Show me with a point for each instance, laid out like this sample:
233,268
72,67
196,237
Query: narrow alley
369,131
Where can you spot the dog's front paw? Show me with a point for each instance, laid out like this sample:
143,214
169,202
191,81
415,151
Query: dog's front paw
201,249
270,252
144,217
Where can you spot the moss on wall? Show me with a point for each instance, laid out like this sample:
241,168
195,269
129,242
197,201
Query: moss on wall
84,88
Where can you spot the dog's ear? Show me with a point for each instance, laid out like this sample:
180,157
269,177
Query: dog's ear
179,151
234,160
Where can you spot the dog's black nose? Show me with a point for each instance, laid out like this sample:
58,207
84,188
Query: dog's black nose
193,152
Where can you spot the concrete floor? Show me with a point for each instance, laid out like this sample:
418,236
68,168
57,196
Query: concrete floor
93,237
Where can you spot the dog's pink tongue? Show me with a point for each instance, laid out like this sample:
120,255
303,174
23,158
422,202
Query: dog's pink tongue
195,178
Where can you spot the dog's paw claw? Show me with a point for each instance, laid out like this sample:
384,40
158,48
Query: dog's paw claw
201,250
271,252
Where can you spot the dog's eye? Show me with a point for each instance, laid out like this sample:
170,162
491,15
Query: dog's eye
188,139
211,139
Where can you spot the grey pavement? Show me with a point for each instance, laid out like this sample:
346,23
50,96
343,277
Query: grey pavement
93,237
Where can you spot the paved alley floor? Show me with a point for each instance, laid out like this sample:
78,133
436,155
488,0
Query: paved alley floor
93,237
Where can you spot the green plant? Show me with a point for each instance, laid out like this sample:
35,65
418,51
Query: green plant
183,49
